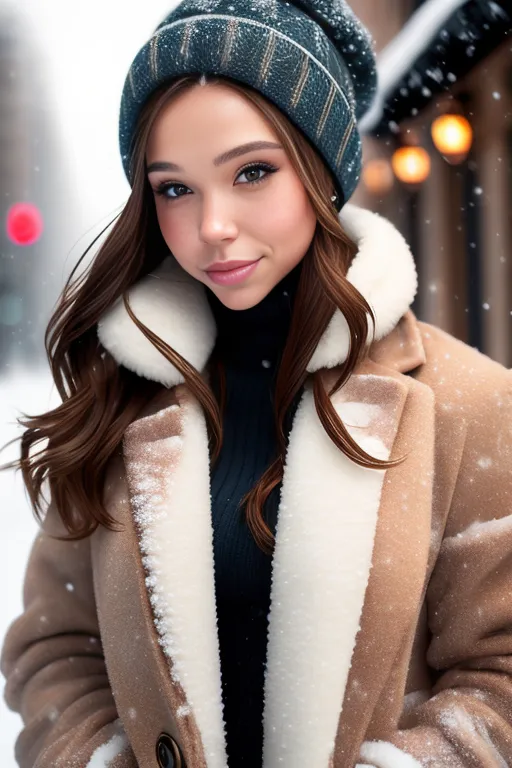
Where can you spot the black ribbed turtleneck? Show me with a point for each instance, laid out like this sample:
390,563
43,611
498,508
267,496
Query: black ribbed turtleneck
249,344
247,337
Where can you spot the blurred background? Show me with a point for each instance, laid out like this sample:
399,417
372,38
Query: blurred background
438,157
437,162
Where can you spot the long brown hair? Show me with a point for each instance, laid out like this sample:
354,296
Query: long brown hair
100,398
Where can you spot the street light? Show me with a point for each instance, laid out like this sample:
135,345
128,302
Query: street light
453,136
378,176
411,164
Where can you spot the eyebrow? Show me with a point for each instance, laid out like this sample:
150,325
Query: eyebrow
225,157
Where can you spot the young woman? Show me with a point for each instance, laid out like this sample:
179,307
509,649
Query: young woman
279,528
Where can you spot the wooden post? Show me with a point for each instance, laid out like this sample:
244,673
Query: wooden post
493,106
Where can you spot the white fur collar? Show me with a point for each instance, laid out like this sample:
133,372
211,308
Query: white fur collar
175,307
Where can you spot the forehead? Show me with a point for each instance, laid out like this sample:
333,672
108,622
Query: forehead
213,117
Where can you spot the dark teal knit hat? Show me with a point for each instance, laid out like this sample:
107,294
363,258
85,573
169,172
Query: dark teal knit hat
312,58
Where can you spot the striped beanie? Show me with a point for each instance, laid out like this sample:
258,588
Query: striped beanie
313,59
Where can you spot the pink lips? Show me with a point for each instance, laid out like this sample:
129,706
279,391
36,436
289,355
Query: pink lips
225,266
232,276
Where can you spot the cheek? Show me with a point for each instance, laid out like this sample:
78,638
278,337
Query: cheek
175,231
292,223
177,235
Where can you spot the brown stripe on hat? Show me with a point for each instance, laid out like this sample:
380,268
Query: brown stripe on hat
153,54
185,39
326,110
301,82
267,58
228,41
344,143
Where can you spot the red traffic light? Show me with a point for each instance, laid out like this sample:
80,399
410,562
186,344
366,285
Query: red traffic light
24,224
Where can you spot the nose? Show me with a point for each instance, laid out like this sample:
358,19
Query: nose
217,221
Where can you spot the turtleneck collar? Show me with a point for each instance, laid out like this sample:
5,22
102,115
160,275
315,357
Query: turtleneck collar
254,338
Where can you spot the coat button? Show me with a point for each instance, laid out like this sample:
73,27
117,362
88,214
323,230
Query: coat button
168,753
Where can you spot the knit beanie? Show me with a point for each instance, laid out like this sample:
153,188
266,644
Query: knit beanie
313,59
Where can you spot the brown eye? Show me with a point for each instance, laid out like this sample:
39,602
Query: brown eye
268,169
164,186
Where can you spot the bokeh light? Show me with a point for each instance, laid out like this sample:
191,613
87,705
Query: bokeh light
378,176
452,136
24,224
411,164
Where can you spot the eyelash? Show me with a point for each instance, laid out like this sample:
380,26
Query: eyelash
165,185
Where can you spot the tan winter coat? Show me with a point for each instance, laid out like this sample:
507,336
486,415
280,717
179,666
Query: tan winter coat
390,631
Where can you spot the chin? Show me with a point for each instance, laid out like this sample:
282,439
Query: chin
239,300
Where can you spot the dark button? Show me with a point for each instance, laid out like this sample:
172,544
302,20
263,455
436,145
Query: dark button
168,754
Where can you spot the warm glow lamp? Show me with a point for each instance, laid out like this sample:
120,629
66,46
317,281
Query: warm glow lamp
377,176
411,164
452,136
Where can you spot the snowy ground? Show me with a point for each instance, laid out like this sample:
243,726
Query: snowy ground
30,391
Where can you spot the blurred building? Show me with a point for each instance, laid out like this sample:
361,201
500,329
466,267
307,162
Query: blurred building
17,299
458,221
29,166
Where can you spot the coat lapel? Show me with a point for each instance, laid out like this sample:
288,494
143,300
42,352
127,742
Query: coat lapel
324,543
394,591
167,466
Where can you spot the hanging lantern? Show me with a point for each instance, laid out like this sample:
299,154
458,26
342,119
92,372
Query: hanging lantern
453,137
411,164
378,176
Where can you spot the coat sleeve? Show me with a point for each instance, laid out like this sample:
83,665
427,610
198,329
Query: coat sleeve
52,659
467,722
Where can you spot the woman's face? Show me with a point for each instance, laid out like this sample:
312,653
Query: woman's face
213,209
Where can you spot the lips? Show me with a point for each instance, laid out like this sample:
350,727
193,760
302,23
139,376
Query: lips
228,266
233,276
